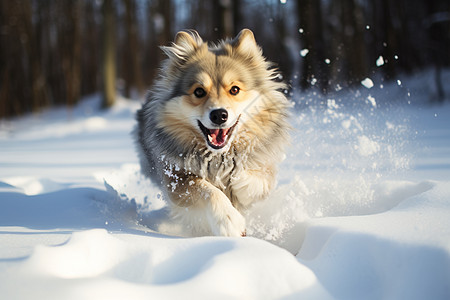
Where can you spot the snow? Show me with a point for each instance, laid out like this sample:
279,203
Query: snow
380,61
361,210
304,52
367,82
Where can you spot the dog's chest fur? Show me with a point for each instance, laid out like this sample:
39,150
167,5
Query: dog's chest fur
217,168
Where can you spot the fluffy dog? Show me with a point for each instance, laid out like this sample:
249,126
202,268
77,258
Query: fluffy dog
213,130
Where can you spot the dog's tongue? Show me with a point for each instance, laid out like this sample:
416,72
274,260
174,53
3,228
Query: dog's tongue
218,136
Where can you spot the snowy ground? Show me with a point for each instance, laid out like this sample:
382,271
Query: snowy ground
362,209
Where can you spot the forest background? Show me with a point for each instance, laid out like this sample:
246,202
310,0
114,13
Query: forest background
54,52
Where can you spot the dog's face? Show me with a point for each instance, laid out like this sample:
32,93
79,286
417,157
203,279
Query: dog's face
213,91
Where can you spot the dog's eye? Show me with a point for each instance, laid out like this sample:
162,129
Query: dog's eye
234,90
199,93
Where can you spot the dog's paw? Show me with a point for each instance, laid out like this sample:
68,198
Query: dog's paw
225,220
233,224
252,186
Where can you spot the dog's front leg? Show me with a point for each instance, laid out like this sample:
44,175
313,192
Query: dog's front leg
198,203
253,185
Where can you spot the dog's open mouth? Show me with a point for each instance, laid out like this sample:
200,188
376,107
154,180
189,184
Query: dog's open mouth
217,138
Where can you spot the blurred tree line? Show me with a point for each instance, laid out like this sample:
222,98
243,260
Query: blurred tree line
53,52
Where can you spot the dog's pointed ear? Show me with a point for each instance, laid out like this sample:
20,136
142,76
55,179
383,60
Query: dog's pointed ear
186,42
189,40
245,43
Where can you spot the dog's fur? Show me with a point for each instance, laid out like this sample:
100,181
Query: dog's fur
212,171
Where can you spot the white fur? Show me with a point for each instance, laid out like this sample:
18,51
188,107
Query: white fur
211,214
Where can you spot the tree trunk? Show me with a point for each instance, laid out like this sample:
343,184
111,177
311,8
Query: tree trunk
31,34
90,60
71,40
132,69
237,16
353,36
109,54
314,69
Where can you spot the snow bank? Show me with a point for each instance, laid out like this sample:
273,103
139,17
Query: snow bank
400,254
94,264
361,211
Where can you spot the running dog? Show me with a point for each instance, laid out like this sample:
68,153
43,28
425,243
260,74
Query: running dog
213,130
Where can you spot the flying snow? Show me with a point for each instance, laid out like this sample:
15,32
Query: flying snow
304,52
380,61
368,83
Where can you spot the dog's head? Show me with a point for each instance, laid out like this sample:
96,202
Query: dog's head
214,91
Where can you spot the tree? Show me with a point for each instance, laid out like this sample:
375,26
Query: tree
314,67
70,41
223,19
90,60
131,66
353,37
109,54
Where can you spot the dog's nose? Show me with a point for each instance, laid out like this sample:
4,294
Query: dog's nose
218,116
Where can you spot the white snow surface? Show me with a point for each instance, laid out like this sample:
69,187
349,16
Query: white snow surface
361,210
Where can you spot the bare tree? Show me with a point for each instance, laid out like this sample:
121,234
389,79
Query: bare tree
70,41
90,60
131,64
314,68
55,52
109,54
223,19
353,37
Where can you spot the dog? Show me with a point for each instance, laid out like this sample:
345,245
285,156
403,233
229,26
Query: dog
213,130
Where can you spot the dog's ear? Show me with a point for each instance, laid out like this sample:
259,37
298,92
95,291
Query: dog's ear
190,40
245,44
186,42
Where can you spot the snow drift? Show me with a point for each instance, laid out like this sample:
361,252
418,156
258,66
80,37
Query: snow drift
362,209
